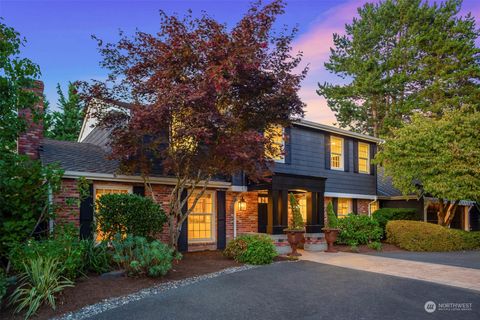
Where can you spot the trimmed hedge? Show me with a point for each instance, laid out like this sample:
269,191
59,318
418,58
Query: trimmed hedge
424,236
251,249
387,214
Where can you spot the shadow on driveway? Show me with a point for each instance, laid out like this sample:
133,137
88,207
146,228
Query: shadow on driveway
466,259
300,290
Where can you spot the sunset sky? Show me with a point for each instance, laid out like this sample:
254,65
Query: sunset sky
59,33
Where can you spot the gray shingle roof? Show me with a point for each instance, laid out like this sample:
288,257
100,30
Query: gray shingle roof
77,156
385,186
100,137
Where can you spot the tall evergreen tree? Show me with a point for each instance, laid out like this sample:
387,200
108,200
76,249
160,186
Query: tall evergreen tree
66,123
402,57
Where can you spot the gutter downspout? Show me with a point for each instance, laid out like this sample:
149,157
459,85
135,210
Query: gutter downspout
369,204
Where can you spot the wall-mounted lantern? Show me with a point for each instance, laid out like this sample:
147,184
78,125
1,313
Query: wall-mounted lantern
242,204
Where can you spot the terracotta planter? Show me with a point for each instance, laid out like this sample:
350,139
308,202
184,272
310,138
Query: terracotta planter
295,237
330,237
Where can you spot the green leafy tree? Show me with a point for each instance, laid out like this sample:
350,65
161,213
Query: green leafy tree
438,158
24,183
400,57
66,123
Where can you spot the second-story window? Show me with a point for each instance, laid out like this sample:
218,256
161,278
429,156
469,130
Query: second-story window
363,157
336,153
278,143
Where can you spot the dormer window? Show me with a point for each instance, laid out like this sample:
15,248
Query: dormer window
336,153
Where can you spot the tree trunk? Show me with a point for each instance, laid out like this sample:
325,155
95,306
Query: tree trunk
446,212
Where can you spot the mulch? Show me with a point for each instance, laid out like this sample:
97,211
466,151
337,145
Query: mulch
386,247
95,288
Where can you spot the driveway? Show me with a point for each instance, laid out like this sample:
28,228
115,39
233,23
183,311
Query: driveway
466,259
301,290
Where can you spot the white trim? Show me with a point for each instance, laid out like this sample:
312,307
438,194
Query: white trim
314,125
342,155
349,195
368,158
213,220
125,178
238,188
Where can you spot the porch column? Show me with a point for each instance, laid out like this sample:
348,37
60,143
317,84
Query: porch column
315,212
277,211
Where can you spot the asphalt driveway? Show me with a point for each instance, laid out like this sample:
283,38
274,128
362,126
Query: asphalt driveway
466,259
302,290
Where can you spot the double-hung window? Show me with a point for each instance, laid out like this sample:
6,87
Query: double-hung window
363,157
336,153
344,207
201,220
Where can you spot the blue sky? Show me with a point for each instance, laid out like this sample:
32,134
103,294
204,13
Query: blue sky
59,33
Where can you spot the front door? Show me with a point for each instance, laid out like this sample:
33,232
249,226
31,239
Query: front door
262,217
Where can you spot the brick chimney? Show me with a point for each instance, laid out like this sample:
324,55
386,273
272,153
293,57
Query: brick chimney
28,142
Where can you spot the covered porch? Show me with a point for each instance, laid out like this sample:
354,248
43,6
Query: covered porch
273,212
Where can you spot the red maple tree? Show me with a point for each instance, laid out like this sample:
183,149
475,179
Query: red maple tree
195,98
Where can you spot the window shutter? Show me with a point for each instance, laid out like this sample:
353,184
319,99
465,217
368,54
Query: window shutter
288,145
373,151
354,206
346,155
86,215
139,190
182,244
355,156
221,220
327,151
335,205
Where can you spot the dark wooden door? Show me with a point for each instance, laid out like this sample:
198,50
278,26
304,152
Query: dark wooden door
262,217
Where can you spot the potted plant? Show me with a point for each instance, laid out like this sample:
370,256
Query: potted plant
331,229
296,229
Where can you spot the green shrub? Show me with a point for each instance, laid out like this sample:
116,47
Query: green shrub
97,258
129,214
3,286
387,214
65,246
251,249
296,222
137,256
358,229
424,236
376,245
332,219
39,283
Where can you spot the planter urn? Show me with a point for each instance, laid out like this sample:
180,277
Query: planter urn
295,237
330,237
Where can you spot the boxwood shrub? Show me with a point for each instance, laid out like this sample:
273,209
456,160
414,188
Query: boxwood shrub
424,236
251,249
358,229
387,214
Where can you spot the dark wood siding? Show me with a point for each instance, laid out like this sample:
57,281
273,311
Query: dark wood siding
309,156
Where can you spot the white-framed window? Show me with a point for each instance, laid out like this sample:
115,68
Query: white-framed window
100,190
276,133
336,153
363,157
201,221
344,207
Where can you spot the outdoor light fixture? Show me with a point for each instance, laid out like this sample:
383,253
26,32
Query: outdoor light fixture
242,204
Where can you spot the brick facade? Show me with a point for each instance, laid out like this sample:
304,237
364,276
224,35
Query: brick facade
362,206
66,203
247,220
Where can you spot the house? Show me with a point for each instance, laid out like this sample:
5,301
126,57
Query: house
321,164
